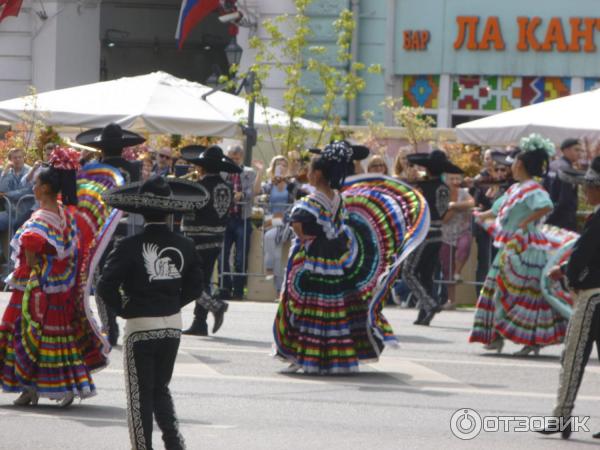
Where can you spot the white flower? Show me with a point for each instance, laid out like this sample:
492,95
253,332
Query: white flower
537,142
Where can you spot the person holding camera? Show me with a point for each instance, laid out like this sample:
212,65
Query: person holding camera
278,194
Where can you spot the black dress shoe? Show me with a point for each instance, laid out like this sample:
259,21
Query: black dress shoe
219,316
197,328
425,320
113,336
565,434
596,435
420,317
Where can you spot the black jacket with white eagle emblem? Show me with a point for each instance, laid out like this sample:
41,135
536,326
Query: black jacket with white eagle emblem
151,274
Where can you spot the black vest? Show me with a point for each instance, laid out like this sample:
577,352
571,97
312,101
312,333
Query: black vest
583,269
437,195
207,225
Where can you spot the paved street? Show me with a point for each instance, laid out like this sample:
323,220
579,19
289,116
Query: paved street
229,394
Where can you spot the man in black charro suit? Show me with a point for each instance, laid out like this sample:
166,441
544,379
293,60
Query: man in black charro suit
207,226
419,267
582,272
148,278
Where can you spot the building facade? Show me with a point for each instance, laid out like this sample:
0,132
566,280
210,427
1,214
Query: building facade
458,59
466,59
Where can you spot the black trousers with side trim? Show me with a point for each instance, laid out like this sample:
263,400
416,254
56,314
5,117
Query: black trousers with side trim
149,361
583,330
209,258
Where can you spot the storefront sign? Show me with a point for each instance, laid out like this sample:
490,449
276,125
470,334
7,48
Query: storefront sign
507,37
577,37
416,40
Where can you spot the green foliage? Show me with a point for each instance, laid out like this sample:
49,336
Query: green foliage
418,126
30,133
287,48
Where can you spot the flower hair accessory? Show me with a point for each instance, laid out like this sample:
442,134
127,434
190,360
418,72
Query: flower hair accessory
337,151
537,142
64,158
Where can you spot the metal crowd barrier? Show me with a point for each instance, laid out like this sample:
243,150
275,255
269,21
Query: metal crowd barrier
8,265
468,277
246,247
441,282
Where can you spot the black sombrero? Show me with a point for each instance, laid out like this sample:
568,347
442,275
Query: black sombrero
591,177
436,162
190,153
158,195
505,158
210,158
112,136
359,152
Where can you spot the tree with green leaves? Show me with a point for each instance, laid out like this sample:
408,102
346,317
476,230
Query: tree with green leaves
287,49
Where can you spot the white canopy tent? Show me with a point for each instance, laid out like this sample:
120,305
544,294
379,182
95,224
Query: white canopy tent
155,103
575,116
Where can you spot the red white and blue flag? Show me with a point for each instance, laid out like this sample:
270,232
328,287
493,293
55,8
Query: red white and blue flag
9,8
192,12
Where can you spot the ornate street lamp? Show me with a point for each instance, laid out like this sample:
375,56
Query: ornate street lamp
233,52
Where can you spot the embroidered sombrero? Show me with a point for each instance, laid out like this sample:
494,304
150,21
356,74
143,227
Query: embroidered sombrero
505,158
158,195
211,158
112,136
436,162
357,153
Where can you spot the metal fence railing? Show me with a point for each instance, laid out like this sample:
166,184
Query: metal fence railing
7,267
444,275
261,220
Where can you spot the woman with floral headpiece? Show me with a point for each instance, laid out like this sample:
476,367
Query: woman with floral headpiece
512,304
351,239
49,343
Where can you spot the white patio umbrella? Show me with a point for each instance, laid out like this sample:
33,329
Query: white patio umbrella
155,103
576,116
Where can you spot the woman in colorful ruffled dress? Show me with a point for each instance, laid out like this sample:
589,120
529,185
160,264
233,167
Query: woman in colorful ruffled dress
347,253
512,304
49,344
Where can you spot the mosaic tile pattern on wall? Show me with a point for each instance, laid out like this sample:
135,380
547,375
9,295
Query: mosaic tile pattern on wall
503,93
489,93
421,91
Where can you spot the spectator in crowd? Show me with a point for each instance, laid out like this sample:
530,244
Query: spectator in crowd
28,180
279,193
14,185
163,165
564,195
404,171
456,234
181,167
377,165
147,165
491,184
487,171
295,163
87,154
239,228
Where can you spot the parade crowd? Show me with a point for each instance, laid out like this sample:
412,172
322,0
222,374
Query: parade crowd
144,236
